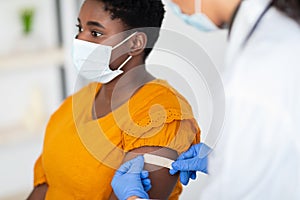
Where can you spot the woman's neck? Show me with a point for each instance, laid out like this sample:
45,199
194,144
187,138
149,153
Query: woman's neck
120,90
134,74
126,83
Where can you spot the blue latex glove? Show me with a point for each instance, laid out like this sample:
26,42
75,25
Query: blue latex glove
191,161
131,180
145,180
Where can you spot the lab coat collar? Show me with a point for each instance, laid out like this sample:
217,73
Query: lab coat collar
246,18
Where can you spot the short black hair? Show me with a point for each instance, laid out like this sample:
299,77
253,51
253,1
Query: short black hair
138,14
290,7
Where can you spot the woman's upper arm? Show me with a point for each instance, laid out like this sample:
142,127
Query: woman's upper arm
39,192
167,141
162,182
40,182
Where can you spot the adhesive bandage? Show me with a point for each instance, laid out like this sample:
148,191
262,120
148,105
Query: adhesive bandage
158,160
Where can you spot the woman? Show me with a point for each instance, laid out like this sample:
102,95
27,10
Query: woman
258,156
125,112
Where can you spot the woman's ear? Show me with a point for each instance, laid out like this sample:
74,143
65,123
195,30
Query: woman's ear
139,42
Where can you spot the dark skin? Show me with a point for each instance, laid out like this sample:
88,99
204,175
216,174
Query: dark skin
39,192
98,27
95,25
162,182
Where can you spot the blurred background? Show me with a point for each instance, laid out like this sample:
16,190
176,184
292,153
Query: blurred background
36,74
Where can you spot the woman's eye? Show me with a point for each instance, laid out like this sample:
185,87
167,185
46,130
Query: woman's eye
96,34
79,28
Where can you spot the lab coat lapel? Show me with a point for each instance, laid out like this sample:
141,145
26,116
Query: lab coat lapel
246,18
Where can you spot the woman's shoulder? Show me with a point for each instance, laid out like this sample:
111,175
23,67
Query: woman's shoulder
157,98
89,89
78,98
161,92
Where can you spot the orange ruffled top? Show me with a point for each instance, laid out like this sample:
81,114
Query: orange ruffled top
80,154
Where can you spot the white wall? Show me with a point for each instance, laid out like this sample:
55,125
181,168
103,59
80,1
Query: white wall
44,24
19,85
28,94
41,85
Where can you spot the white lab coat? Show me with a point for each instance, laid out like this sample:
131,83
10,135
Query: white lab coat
258,155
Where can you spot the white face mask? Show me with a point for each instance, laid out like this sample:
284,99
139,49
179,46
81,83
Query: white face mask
92,60
199,20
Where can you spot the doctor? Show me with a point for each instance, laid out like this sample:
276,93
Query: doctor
258,155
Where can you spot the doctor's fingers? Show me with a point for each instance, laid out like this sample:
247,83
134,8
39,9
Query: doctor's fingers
144,174
185,177
194,164
145,180
135,165
146,184
190,153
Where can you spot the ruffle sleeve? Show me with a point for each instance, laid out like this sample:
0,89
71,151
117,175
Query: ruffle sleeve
159,116
39,174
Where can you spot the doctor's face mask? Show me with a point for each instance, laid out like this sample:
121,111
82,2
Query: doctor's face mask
199,20
92,60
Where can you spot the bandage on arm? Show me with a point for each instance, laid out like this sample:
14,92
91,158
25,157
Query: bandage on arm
158,160
162,182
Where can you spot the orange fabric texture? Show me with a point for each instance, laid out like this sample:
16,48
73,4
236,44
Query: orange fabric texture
80,154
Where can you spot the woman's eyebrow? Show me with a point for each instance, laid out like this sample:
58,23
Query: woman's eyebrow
94,23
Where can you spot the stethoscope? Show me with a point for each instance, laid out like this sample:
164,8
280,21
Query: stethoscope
253,29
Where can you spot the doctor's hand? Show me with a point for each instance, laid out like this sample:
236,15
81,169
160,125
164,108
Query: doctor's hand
191,161
130,180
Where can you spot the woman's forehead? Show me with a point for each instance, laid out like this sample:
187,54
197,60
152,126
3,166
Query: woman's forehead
93,10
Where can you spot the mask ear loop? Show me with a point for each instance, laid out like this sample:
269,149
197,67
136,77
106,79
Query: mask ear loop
125,62
198,6
125,40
